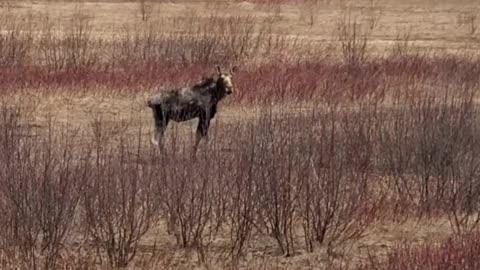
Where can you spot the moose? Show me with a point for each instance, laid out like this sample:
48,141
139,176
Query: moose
183,104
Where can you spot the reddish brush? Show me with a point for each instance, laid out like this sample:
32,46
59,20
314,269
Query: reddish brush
456,253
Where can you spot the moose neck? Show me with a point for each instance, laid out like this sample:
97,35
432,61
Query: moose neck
217,90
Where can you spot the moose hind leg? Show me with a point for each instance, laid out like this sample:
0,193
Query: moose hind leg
157,138
160,124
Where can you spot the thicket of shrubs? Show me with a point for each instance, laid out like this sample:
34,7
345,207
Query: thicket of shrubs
455,253
386,137
331,172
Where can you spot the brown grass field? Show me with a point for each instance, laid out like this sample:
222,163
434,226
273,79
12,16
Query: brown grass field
351,141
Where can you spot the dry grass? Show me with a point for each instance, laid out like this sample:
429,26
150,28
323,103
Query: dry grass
432,25
353,132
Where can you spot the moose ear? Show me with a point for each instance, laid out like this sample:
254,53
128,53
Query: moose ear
219,70
233,69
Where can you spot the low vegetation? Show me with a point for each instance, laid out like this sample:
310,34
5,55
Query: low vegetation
378,139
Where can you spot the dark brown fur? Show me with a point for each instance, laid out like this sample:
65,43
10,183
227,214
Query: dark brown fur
183,104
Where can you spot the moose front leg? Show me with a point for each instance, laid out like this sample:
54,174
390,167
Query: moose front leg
202,132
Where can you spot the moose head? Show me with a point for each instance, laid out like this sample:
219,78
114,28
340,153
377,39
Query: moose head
224,81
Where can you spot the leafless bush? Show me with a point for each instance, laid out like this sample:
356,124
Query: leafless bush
275,180
243,196
118,200
206,40
78,43
71,48
427,148
459,169
353,39
402,46
193,195
53,57
16,41
40,179
337,200
304,178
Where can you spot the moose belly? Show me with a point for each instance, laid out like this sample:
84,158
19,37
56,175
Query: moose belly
185,114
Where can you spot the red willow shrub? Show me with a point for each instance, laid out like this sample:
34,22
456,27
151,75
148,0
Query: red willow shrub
455,253
327,82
